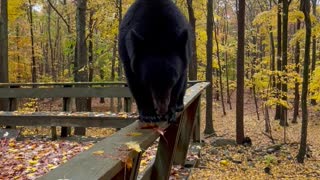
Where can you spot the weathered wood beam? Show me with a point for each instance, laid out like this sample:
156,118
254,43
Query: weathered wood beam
108,83
186,131
60,92
86,165
75,119
106,166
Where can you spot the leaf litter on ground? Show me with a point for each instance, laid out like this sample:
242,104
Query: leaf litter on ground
30,159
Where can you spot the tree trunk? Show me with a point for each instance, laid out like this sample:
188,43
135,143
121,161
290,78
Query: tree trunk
18,55
101,73
209,124
41,64
81,74
305,6
69,57
90,48
113,69
267,119
90,58
57,60
314,46
272,57
296,85
33,58
279,46
45,59
193,65
50,43
51,50
220,68
284,109
120,71
240,71
253,71
4,76
226,57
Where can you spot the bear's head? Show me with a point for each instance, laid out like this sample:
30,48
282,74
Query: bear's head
158,67
159,75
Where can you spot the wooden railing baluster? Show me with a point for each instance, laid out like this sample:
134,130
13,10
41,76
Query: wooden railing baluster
186,131
65,131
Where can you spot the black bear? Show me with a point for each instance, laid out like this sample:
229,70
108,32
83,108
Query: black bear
154,46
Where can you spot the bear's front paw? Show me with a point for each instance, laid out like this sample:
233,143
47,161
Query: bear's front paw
179,108
171,117
149,119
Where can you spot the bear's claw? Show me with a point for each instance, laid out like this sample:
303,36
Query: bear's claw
180,108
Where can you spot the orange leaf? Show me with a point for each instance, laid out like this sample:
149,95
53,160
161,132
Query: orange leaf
161,131
98,153
129,163
148,126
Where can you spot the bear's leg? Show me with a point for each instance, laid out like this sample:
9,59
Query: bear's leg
171,116
176,101
181,93
144,103
142,97
146,109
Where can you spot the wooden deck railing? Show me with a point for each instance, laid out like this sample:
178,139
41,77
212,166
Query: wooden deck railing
110,162
64,91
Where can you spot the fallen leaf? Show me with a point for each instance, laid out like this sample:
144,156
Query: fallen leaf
161,131
129,163
33,162
224,162
101,152
51,166
134,134
12,144
148,125
133,146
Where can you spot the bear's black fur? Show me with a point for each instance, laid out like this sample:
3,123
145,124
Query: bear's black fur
154,47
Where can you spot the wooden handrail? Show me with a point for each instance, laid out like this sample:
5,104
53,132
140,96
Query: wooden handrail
106,83
72,119
60,92
110,89
109,164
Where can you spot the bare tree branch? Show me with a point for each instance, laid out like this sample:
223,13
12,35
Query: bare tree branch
63,19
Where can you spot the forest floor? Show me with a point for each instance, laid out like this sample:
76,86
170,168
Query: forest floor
220,157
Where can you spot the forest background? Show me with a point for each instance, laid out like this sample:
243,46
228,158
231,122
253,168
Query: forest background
43,35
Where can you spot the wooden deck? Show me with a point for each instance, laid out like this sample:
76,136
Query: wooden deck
110,164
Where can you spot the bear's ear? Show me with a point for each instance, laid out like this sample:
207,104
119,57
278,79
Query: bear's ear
132,43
